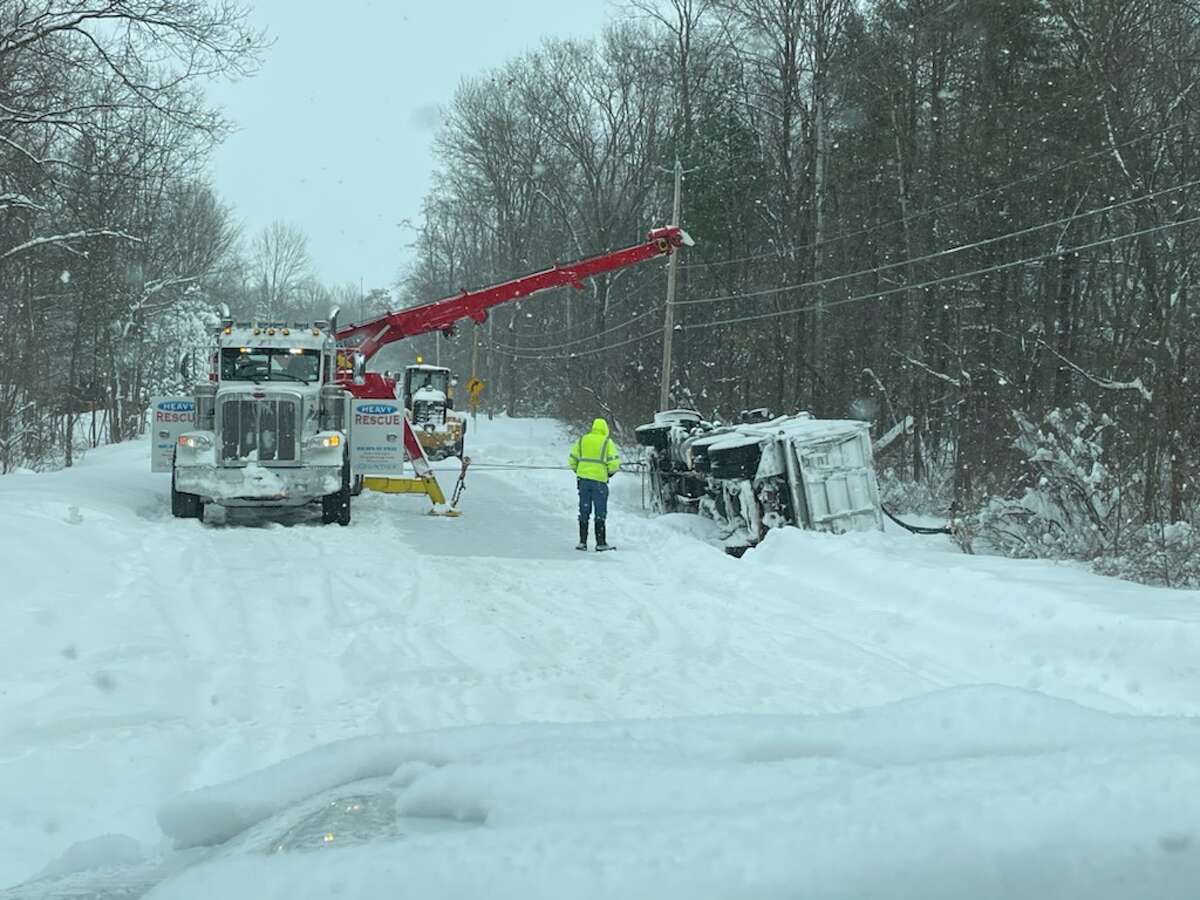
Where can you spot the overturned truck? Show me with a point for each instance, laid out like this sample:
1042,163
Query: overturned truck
762,473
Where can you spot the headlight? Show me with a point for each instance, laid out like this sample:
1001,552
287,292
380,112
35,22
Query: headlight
195,441
323,441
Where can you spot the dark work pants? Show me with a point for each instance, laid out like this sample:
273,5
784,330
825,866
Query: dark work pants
592,494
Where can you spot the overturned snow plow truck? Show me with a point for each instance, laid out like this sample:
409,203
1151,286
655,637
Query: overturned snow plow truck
763,473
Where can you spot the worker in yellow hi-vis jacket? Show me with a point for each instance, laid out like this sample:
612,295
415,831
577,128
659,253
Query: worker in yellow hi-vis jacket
594,459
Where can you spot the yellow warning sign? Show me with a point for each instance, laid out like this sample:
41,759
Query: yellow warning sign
475,387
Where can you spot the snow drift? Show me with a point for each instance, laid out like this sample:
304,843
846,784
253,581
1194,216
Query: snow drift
984,792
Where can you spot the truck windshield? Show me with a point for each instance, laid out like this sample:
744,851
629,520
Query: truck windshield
270,364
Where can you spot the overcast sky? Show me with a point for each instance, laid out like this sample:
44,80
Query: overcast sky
335,131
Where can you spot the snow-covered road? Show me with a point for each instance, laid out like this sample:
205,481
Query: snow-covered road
145,656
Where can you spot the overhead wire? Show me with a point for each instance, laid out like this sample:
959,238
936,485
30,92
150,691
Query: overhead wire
582,340
620,302
887,266
926,17
531,352
875,295
923,213
832,279
589,352
998,267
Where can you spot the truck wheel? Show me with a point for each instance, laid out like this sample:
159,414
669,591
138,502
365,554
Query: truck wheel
336,507
185,506
358,486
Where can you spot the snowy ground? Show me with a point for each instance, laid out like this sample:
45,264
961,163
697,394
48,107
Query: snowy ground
868,715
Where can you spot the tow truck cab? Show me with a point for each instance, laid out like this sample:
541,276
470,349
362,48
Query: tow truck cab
271,424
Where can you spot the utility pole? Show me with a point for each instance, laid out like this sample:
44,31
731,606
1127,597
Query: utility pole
474,364
493,367
664,396
475,350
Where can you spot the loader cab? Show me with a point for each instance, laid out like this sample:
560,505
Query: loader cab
428,396
427,391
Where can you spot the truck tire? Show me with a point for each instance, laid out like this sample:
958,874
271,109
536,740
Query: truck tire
336,507
185,506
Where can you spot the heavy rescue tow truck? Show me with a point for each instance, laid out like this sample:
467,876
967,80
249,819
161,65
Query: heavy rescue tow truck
290,415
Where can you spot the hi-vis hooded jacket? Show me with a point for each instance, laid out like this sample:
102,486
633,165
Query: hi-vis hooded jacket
595,456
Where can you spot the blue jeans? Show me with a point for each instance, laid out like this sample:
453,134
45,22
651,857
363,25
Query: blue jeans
592,494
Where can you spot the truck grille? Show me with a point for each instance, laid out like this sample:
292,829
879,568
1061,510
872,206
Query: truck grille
262,430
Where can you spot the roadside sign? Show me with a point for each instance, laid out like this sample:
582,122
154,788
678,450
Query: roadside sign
475,386
169,418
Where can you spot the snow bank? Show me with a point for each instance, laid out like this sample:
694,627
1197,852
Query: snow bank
981,792
147,657
99,852
213,815
1040,625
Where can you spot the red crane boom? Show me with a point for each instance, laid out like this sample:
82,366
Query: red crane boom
441,315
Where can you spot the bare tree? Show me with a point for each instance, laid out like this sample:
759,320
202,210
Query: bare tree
280,266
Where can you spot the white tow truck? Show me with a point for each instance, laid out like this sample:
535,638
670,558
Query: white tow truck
273,427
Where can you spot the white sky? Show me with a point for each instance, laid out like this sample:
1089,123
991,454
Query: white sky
335,131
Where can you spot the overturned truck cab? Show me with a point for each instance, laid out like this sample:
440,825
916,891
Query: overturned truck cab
763,473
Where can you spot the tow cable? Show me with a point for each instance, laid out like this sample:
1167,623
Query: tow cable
916,529
461,484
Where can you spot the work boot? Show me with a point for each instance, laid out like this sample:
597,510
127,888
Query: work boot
601,543
583,530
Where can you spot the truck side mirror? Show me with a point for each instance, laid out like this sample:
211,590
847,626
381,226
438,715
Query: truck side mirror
358,368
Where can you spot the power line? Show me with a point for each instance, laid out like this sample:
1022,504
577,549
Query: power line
619,302
582,340
835,279
945,280
950,204
832,279
863,272
657,332
860,298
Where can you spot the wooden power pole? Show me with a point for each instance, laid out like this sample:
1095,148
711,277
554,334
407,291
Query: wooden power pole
664,397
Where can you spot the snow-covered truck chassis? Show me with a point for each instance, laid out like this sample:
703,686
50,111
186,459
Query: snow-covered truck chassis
749,478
